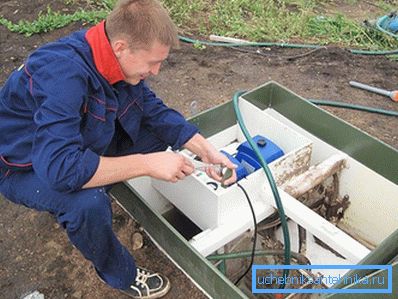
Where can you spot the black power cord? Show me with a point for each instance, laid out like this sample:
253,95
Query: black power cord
254,237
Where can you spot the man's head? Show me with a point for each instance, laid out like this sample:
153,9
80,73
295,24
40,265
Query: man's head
141,34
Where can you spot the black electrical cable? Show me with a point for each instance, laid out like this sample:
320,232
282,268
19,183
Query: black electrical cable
214,185
255,234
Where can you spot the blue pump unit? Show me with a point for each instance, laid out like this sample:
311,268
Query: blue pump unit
246,158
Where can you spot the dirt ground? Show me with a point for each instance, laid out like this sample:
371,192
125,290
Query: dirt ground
34,251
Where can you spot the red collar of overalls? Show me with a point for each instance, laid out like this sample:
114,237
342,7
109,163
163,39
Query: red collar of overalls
104,58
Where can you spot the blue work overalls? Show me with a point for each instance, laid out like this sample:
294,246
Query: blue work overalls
59,112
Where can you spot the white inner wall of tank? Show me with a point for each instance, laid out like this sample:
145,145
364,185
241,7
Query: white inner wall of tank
371,216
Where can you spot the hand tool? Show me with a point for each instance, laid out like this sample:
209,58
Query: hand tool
220,169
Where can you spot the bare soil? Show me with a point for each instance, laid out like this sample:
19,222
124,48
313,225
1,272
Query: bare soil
35,253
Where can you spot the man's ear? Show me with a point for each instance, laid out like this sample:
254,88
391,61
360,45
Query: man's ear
119,47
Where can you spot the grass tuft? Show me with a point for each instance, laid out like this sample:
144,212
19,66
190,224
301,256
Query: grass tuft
52,20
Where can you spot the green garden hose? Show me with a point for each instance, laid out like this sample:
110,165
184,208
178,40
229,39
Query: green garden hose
248,44
301,259
282,216
354,107
283,45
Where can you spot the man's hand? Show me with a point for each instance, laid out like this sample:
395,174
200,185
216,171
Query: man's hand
215,157
209,154
168,166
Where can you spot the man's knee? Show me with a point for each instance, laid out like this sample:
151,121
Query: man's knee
90,208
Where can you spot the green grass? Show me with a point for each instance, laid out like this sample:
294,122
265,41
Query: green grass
266,20
341,30
104,4
52,20
286,21
184,12
257,20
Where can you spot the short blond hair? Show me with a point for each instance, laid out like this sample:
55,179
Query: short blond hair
140,23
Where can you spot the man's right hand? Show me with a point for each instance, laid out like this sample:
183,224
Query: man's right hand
168,166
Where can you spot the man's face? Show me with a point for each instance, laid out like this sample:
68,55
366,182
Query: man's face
139,64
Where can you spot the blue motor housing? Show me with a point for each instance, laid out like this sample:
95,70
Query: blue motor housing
246,158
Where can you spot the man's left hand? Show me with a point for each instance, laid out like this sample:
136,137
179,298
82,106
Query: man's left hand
220,159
